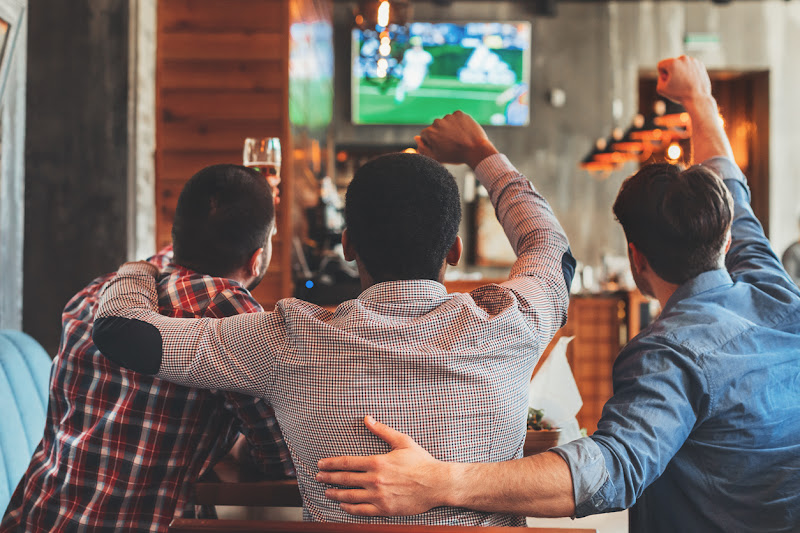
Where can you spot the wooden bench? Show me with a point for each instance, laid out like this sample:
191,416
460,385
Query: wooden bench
185,525
233,484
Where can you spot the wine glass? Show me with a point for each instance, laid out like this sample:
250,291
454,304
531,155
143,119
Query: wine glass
264,155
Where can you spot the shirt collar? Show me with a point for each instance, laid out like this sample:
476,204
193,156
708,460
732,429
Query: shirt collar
699,284
177,272
404,290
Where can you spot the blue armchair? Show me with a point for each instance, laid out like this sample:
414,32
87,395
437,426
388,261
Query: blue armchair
24,378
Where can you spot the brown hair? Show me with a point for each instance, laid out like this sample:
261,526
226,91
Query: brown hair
678,219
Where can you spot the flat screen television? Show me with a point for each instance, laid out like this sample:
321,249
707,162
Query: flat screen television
481,68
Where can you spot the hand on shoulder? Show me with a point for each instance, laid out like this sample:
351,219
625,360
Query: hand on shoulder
138,267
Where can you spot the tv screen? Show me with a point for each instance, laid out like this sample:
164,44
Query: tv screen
481,68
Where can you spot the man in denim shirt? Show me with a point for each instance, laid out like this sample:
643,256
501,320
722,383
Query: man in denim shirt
703,430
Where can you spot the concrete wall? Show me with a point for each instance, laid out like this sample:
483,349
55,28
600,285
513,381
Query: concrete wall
76,190
594,52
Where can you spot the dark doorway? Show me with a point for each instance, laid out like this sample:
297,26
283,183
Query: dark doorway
743,100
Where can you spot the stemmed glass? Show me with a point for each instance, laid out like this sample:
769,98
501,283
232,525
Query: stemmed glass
264,155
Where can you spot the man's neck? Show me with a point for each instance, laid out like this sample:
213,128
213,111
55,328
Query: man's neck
660,290
665,294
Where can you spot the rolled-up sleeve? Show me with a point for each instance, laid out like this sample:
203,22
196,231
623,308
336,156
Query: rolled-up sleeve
659,393
590,481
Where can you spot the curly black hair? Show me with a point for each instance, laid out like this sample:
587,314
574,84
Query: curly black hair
402,213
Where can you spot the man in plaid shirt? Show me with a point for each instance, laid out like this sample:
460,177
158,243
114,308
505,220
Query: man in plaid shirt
121,449
450,369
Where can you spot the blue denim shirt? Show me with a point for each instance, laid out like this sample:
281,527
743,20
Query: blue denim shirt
703,430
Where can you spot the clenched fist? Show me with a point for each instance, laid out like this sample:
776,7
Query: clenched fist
682,79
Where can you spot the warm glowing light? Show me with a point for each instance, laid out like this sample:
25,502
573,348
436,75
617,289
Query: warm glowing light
721,120
385,48
674,152
410,151
383,66
383,14
359,20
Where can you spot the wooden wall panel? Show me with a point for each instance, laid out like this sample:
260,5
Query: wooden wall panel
222,75
178,104
245,16
246,75
215,134
224,46
180,166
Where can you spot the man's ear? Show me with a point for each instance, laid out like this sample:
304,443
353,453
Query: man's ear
638,260
255,264
347,246
454,254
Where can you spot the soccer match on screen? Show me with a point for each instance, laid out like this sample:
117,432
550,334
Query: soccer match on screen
435,69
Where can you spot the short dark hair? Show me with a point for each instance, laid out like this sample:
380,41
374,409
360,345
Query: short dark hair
402,213
678,219
223,216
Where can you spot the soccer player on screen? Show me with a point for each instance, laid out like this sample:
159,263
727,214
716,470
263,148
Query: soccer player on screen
415,68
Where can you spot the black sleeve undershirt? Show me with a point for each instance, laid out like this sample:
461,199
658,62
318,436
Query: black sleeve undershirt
130,343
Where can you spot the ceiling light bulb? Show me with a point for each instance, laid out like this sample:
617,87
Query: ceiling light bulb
674,152
383,14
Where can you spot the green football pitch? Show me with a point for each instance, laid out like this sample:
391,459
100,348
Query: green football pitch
434,99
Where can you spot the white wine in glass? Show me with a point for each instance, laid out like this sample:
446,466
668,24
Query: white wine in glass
264,155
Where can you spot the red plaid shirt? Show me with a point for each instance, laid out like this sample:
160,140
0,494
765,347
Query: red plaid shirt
451,370
120,449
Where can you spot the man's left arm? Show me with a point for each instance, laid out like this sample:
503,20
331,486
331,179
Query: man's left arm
235,353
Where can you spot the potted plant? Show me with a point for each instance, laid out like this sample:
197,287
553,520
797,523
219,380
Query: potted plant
541,436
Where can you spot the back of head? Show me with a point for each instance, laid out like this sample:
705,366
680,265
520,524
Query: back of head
223,216
402,213
678,219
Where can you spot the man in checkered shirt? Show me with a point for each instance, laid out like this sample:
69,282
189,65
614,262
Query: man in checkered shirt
121,449
450,369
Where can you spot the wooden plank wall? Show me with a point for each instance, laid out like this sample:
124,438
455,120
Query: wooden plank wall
222,76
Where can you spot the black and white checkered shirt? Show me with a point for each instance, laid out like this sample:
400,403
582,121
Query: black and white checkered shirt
451,370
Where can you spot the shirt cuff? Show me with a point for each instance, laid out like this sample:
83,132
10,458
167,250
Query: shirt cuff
591,484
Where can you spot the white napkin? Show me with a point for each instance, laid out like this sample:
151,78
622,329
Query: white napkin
554,390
